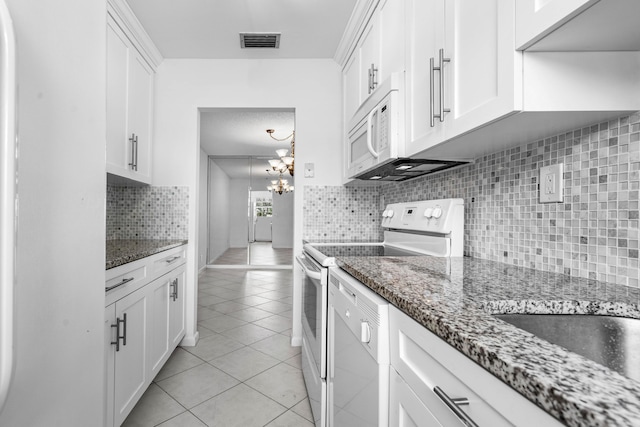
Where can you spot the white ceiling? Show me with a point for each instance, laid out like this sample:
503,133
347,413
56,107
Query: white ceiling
210,28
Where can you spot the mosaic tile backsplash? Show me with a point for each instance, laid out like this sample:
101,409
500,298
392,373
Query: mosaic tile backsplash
592,234
341,213
147,212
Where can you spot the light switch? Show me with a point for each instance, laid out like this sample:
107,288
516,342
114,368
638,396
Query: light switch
308,170
550,185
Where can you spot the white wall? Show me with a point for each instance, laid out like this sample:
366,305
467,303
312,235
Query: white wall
59,297
203,228
282,221
219,188
311,86
239,213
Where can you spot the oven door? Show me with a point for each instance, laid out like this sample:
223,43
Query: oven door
314,310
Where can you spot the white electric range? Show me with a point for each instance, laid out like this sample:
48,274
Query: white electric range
430,227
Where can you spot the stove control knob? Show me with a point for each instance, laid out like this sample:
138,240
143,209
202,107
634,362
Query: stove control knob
437,212
390,213
428,213
365,332
385,214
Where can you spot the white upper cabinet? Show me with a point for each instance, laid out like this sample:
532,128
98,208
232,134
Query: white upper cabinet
578,25
129,107
379,51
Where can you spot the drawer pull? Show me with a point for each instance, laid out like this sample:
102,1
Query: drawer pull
454,405
124,281
170,260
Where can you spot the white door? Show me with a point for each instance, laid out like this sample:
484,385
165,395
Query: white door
425,35
117,76
479,79
351,87
176,308
405,408
369,49
131,358
392,28
159,322
140,108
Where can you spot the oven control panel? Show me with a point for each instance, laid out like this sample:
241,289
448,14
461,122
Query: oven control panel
433,216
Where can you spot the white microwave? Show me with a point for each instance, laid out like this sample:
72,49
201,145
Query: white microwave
375,132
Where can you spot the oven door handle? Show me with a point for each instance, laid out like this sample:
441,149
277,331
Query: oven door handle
309,268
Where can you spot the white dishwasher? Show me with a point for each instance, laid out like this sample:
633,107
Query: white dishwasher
358,346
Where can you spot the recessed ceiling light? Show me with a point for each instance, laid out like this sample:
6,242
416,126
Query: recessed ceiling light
404,167
376,177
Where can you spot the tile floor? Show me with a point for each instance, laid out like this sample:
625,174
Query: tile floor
243,372
258,253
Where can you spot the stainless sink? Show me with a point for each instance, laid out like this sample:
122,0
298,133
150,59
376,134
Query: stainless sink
611,341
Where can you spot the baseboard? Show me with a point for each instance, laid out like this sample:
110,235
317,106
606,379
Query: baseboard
190,340
250,267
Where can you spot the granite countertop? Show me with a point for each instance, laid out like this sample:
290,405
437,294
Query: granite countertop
123,251
456,300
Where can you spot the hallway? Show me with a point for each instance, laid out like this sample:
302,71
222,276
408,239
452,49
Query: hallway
243,372
258,253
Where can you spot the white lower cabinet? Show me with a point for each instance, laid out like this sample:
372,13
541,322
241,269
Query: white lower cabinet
426,372
141,331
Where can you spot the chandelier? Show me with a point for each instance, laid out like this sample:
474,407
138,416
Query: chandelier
286,160
280,186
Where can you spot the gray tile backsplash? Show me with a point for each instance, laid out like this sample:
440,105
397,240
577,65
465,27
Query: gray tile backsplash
592,234
147,212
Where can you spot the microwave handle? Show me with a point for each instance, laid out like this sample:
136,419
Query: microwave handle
369,129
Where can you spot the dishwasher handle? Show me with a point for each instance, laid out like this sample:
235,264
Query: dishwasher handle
310,268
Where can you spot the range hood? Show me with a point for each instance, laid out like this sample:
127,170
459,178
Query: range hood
402,169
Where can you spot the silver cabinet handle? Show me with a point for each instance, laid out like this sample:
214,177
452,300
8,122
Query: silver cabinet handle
120,336
108,288
374,83
454,405
174,291
134,152
369,81
440,68
432,86
170,260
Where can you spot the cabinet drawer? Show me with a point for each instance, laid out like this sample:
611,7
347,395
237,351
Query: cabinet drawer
129,279
168,262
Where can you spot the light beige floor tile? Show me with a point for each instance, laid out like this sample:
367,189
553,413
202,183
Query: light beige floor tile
196,385
274,295
275,323
154,407
248,334
274,307
186,419
222,323
295,361
207,300
204,332
244,363
179,361
282,383
250,314
252,300
239,406
303,408
290,419
214,346
205,313
277,346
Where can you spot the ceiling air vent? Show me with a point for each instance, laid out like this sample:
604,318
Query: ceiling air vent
268,40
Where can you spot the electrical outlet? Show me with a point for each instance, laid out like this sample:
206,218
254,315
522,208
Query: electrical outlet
551,183
308,170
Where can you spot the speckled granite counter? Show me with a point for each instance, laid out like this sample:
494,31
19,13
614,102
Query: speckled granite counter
456,301
123,251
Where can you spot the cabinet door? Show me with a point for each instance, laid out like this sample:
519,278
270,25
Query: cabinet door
351,87
117,75
369,52
405,408
109,363
177,309
158,324
425,32
479,80
391,21
140,101
535,18
131,373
